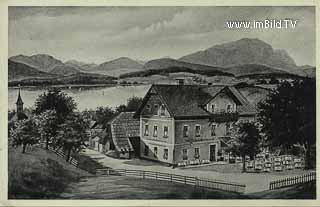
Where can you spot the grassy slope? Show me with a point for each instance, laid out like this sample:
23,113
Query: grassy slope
302,191
39,174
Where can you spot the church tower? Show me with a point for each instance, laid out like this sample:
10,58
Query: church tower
19,103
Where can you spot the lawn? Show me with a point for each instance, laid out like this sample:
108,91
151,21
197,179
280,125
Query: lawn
121,187
301,191
39,174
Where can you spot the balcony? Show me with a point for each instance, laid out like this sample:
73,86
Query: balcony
224,116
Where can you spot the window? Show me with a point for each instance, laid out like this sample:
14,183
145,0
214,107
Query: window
185,154
155,151
228,129
146,150
185,131
165,154
155,131
213,129
213,106
146,130
165,131
228,108
148,108
163,110
156,109
198,129
196,153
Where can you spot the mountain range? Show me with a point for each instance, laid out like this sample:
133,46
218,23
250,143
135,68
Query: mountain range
242,57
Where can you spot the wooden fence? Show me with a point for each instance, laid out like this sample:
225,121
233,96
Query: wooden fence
61,154
292,181
188,180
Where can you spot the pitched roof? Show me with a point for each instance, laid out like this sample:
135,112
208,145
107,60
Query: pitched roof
188,100
245,107
124,126
183,100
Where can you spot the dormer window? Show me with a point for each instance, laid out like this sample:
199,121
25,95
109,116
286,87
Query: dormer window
162,110
156,109
228,108
148,108
213,107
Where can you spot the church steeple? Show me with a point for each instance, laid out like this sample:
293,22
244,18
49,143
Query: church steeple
19,103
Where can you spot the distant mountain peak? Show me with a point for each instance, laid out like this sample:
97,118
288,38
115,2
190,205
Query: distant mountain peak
122,62
42,62
240,52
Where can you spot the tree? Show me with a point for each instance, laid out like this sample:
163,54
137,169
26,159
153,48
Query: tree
133,103
121,108
47,124
56,100
246,142
273,80
72,134
104,114
24,133
288,116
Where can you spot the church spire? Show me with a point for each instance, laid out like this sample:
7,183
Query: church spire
19,103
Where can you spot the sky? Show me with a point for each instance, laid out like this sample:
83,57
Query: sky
99,34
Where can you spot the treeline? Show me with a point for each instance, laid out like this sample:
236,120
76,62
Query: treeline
81,78
168,70
272,75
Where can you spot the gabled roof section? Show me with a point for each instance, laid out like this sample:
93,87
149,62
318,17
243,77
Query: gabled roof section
183,100
188,100
123,127
245,107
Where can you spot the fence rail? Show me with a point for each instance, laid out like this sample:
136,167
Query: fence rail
60,153
188,180
292,181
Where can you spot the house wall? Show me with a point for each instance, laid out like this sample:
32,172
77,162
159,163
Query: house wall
151,118
204,150
160,141
160,151
221,101
205,132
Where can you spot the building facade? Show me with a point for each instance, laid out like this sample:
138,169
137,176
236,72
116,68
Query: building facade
188,123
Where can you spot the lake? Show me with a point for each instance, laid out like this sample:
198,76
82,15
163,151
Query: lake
86,97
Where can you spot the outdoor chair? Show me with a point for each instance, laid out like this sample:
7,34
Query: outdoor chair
266,169
278,168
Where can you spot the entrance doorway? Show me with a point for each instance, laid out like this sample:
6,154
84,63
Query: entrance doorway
212,153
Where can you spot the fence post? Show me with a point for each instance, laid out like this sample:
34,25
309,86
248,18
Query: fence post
143,175
170,177
156,175
108,172
185,180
